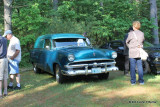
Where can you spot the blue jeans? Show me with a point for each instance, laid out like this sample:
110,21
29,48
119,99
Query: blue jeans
133,62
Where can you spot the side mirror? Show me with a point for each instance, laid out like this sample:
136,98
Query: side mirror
48,47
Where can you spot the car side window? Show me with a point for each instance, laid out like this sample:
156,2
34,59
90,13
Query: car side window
47,44
41,43
115,45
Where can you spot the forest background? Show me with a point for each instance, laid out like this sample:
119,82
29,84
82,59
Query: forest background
103,20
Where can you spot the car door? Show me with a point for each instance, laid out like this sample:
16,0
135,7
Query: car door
36,52
45,54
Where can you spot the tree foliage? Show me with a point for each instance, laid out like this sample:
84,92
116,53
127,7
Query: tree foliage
103,20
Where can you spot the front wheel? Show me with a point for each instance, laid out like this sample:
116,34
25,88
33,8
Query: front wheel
103,76
59,76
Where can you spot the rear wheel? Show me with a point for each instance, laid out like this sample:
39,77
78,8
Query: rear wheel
59,76
146,68
36,69
103,76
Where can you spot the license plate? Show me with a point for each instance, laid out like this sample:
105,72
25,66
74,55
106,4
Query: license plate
96,70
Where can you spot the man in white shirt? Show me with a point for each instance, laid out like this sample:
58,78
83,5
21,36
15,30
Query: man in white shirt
14,56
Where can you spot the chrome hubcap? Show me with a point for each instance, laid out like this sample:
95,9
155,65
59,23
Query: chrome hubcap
34,69
57,77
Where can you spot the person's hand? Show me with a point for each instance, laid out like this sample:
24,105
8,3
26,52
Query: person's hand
139,46
11,58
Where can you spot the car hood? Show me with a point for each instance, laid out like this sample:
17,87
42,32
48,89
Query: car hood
153,51
81,53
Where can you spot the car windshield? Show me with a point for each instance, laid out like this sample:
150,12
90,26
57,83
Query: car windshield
157,45
70,42
147,44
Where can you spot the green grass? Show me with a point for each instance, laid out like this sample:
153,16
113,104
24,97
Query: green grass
41,90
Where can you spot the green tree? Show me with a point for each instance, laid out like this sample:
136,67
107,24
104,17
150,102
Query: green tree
103,20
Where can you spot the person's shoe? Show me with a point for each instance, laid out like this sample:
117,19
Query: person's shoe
127,74
5,95
10,87
133,84
141,83
17,88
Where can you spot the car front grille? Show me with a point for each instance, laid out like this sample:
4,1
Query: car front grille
90,67
90,62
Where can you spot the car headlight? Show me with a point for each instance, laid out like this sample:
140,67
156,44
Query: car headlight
114,54
156,59
71,57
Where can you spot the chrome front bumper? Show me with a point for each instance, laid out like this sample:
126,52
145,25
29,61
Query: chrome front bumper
86,69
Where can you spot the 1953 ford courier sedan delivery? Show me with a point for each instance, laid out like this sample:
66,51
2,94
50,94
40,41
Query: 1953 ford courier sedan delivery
65,55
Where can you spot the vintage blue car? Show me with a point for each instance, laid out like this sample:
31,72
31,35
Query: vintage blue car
65,55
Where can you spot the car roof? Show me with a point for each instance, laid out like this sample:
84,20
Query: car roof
61,36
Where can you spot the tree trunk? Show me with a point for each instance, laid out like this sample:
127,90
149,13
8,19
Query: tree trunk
7,14
153,16
55,5
101,4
